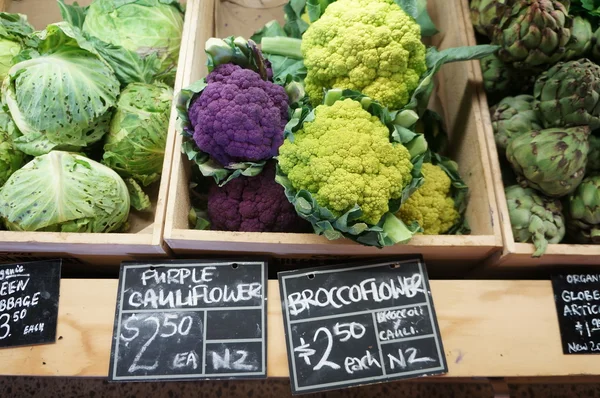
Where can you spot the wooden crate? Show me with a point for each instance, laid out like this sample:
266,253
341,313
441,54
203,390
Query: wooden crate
503,328
516,257
107,250
454,90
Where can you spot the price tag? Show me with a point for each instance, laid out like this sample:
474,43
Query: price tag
577,298
179,320
29,295
353,325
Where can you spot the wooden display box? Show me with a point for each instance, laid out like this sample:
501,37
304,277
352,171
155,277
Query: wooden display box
145,236
518,255
454,91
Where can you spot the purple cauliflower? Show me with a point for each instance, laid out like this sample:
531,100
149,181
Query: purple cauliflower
253,204
239,117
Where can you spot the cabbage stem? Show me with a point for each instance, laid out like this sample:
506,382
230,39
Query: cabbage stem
285,46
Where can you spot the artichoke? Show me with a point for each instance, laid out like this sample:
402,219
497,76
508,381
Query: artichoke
583,222
533,33
581,39
595,53
500,78
534,218
593,164
552,161
513,116
568,94
485,14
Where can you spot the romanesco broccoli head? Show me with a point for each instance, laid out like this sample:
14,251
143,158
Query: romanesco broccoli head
344,158
431,205
371,46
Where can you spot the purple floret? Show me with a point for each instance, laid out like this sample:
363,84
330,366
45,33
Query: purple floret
253,204
239,117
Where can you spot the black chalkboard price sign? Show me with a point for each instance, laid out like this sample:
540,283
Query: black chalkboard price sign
183,320
361,324
577,298
29,295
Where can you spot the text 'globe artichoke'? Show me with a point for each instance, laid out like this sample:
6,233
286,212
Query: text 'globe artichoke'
64,192
552,161
135,144
568,94
144,26
533,33
534,218
583,222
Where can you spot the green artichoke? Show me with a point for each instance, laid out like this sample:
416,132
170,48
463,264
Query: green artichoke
595,53
502,79
552,161
513,116
534,218
581,39
593,164
485,14
583,222
533,33
568,94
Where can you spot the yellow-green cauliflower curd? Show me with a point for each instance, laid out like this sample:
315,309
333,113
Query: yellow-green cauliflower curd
371,46
344,158
432,204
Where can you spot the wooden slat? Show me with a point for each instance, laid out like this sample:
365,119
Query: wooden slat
489,329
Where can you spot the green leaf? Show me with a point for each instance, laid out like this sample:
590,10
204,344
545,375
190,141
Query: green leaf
432,126
207,166
271,29
235,50
73,13
139,199
198,219
418,10
435,60
294,26
129,67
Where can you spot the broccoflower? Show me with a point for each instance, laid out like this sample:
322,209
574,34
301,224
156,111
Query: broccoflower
431,205
344,158
371,46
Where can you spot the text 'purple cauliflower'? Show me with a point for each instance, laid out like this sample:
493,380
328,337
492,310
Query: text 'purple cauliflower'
253,204
239,117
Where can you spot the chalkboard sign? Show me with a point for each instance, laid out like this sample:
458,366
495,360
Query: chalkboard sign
577,298
29,295
353,325
182,320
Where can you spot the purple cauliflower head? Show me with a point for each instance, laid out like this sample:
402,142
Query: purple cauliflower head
239,117
253,204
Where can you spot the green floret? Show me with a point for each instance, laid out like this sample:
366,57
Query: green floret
371,46
345,158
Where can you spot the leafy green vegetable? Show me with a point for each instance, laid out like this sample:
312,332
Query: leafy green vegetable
64,192
59,95
15,35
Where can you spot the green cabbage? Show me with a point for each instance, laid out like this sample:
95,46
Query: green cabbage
14,37
10,159
64,192
144,26
135,144
59,95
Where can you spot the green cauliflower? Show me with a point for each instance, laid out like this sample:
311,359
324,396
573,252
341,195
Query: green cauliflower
432,205
371,46
344,158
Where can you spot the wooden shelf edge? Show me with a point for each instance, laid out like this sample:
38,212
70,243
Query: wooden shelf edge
489,329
